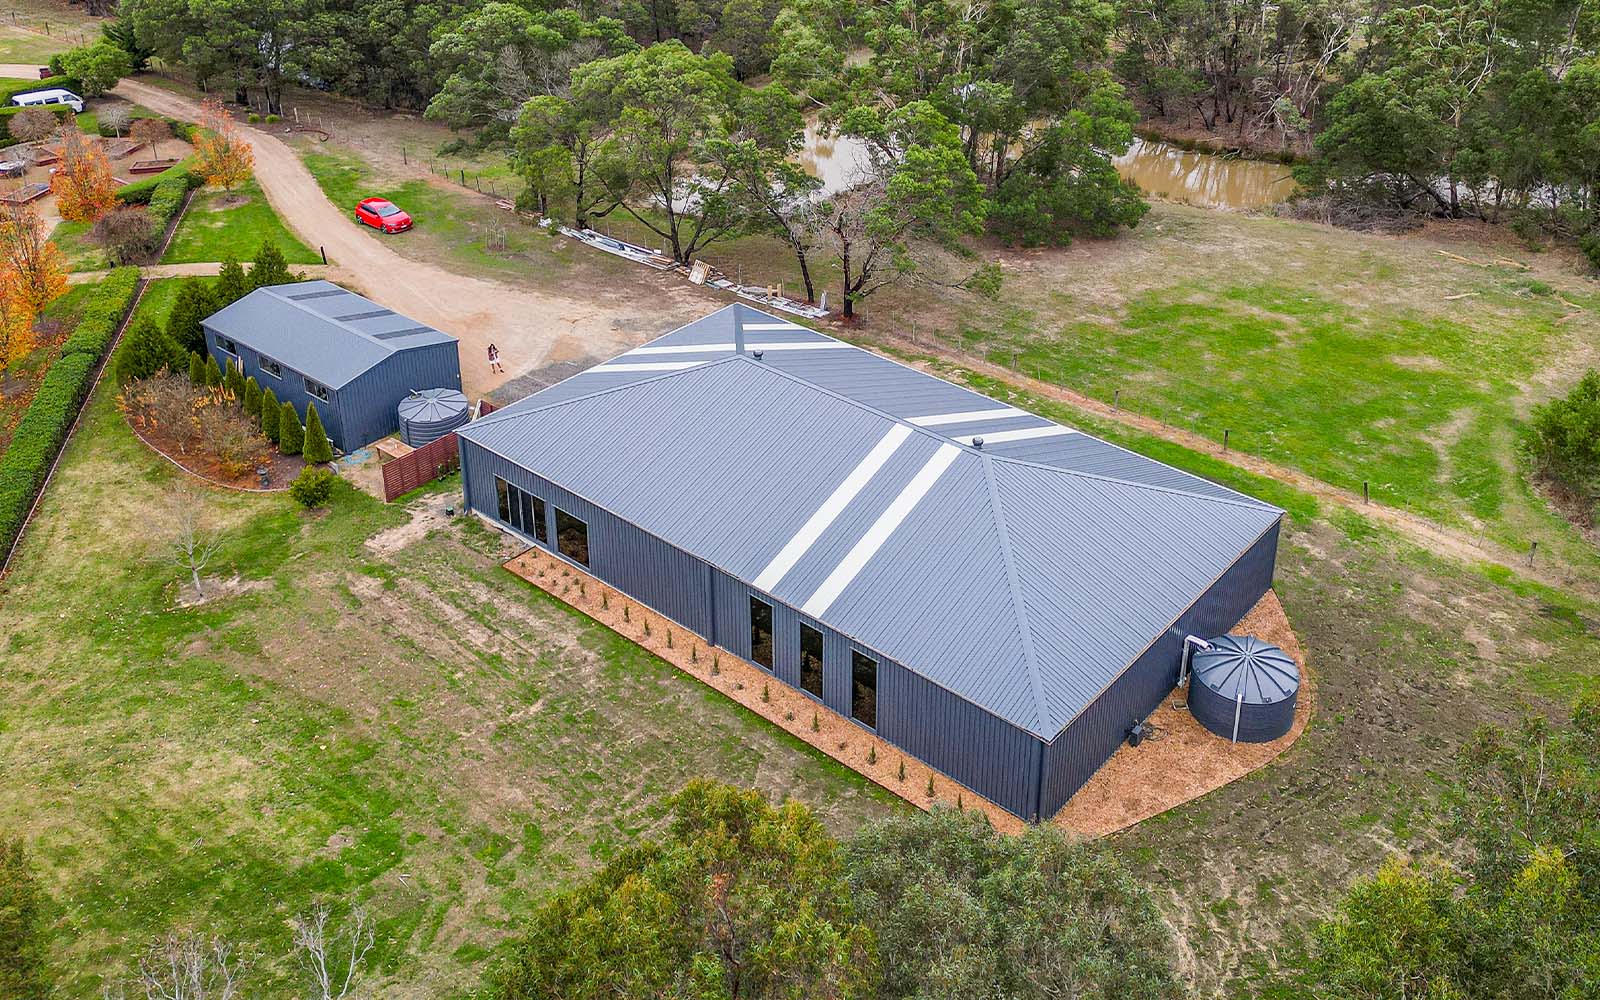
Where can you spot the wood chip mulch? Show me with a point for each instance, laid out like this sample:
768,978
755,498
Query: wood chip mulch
281,469
1183,763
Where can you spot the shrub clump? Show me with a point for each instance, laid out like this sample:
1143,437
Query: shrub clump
290,434
1564,438
313,487
317,448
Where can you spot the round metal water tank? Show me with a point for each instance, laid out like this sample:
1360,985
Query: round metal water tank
429,414
1243,689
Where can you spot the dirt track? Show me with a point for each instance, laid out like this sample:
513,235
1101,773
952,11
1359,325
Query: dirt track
524,326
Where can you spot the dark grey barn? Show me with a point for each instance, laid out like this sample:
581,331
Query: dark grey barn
998,595
316,342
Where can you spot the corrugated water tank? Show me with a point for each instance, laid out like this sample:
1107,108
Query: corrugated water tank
1244,689
429,414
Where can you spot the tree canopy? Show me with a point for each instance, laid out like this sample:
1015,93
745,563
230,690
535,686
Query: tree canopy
737,899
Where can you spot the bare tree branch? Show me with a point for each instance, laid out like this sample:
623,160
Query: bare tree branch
333,956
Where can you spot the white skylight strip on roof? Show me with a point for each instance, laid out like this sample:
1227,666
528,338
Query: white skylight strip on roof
652,366
1026,433
772,326
967,416
881,529
804,345
831,508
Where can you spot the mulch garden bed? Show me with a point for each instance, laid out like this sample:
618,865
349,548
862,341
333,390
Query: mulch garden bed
177,430
281,469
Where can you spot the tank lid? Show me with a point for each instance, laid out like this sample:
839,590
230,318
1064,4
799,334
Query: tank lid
427,405
1235,663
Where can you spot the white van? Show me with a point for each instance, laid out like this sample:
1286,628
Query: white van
49,97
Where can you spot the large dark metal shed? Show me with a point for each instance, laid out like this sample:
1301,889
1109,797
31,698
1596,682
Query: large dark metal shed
999,595
314,342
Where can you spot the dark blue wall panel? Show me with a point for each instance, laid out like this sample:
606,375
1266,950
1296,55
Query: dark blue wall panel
1091,738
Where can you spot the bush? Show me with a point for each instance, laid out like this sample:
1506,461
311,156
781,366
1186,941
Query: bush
194,303
213,373
252,118
290,434
317,447
22,951
146,351
6,114
197,369
43,428
98,66
1590,245
274,119
252,398
127,233
313,487
1564,437
270,414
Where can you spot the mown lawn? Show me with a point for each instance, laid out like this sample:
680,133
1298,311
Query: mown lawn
412,728
223,224
20,46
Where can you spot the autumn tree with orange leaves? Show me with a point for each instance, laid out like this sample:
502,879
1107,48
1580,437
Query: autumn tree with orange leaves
222,156
82,184
32,275
33,267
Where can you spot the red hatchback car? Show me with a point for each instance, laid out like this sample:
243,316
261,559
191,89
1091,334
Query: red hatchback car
382,214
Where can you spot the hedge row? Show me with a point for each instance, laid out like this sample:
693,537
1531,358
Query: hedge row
143,192
168,198
43,428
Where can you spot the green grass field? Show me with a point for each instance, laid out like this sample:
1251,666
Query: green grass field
221,224
21,46
452,226
406,725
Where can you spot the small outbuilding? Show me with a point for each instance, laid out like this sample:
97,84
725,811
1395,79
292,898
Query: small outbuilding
314,342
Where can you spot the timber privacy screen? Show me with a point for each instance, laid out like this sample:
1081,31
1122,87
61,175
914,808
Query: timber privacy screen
998,595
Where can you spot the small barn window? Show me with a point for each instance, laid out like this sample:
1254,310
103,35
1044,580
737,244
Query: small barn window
811,659
761,632
572,537
269,366
228,345
863,689
318,390
503,494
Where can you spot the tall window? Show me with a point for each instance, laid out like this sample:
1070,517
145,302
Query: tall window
522,510
572,537
864,689
761,632
811,659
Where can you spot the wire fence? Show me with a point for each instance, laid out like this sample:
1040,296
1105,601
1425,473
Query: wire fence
53,26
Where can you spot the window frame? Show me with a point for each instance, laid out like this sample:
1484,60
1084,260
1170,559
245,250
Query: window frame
805,657
515,506
561,546
227,346
269,366
317,389
857,658
770,644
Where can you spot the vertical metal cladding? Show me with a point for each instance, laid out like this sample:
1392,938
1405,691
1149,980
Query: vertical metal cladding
1244,688
429,414
1090,739
368,403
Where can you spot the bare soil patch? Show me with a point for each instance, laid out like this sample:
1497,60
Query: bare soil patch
215,588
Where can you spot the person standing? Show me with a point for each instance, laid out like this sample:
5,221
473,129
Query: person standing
494,359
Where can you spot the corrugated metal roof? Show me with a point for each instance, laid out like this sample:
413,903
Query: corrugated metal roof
1025,575
328,333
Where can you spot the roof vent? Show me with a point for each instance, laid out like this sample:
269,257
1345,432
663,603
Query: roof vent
757,354
977,442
